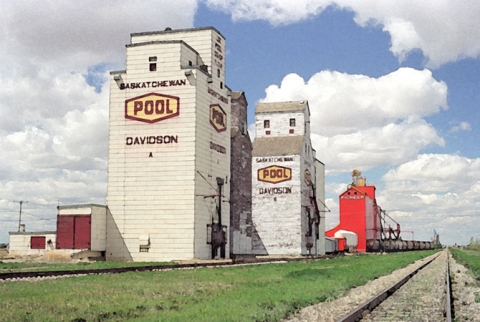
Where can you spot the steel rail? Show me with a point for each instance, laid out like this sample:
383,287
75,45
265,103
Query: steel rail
449,309
357,313
116,270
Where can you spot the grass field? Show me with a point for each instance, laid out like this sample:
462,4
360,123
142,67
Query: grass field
266,292
468,258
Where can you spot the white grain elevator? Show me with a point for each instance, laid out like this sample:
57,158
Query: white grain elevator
169,148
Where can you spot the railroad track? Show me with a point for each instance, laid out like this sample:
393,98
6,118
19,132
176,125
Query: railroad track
422,295
17,276
434,267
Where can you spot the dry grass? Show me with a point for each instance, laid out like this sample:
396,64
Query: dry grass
56,256
3,253
53,256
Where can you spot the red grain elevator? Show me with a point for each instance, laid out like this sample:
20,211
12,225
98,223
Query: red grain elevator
359,212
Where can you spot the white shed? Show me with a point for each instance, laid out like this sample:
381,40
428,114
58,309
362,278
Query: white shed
31,243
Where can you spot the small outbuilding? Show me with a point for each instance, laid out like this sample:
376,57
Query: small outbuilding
82,227
31,243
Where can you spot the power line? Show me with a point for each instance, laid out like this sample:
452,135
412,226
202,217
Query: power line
53,220
29,214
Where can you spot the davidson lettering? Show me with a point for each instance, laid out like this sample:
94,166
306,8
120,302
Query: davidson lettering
140,140
165,83
275,191
218,148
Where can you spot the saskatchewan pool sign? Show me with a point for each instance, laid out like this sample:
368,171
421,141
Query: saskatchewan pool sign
152,107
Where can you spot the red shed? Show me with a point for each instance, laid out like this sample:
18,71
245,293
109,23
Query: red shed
74,231
359,212
82,227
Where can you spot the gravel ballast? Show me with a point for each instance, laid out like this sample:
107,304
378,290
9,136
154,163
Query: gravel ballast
464,289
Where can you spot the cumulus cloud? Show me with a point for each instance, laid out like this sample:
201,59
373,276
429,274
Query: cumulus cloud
434,173
388,145
344,103
363,122
75,35
436,191
276,12
444,31
462,126
54,97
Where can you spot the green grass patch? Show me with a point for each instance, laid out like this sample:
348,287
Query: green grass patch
266,292
468,258
477,297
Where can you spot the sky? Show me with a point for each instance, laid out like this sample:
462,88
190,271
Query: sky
393,89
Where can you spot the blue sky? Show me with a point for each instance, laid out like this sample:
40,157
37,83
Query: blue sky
393,89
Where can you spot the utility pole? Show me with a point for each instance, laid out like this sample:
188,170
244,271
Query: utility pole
20,213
